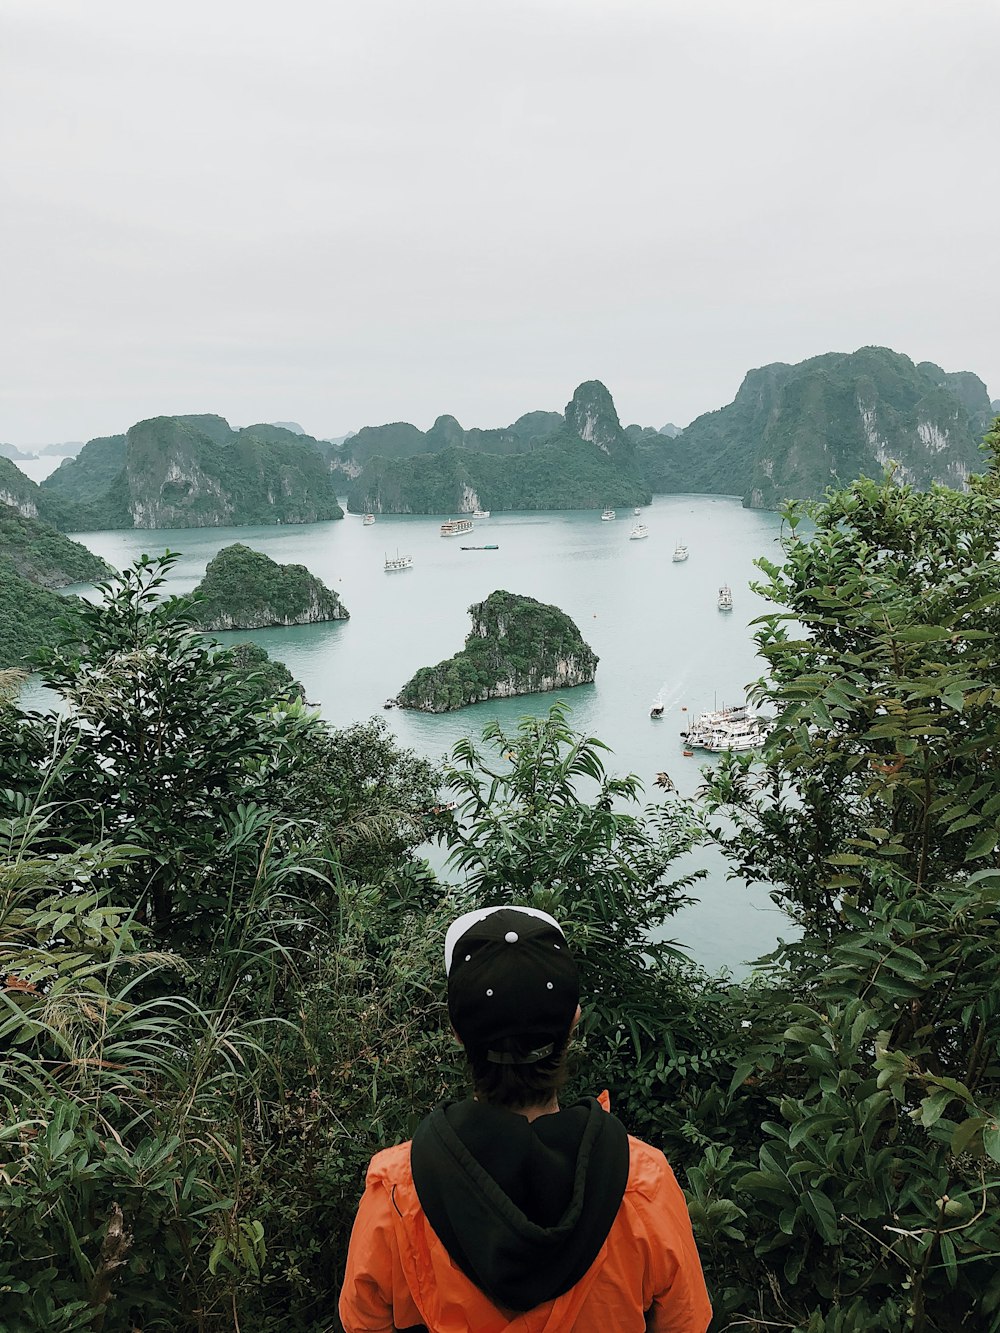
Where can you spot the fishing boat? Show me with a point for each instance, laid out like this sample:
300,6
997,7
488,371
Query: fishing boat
680,552
481,513
456,527
725,598
393,563
368,520
480,548
638,532
608,515
656,707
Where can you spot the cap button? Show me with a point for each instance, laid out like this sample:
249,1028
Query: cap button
511,937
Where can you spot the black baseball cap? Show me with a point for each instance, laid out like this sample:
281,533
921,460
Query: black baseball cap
512,981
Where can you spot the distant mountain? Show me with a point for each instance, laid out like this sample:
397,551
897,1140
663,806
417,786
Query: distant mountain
192,471
293,426
68,449
13,452
585,462
793,431
670,429
995,406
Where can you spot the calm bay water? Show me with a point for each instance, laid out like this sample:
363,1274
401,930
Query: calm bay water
653,622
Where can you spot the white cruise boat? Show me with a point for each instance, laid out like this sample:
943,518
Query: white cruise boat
733,728
638,532
368,520
393,563
636,511
725,598
608,515
481,513
680,552
456,527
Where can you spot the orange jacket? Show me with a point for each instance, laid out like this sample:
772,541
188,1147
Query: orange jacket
647,1275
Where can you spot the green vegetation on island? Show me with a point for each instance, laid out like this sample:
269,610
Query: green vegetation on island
30,617
586,462
516,646
220,947
245,589
192,471
41,554
794,431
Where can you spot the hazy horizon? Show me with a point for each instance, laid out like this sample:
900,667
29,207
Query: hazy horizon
354,214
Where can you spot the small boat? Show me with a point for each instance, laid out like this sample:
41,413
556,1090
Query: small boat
725,598
391,703
608,515
456,527
480,548
636,511
481,513
397,562
638,532
368,520
680,552
656,707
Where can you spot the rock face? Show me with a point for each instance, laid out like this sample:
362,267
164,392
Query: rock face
194,471
516,646
793,431
586,462
16,490
245,589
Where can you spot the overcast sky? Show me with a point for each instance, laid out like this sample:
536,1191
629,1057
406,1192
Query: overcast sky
345,212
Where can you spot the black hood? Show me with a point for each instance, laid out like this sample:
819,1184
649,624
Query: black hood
523,1207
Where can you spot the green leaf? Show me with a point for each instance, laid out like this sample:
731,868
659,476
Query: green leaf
984,844
823,1214
991,1140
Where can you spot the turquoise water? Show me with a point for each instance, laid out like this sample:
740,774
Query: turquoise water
653,623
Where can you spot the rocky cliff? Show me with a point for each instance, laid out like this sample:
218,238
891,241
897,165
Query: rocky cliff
587,462
794,430
193,471
16,490
516,646
245,589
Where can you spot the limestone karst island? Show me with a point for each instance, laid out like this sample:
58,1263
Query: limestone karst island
516,646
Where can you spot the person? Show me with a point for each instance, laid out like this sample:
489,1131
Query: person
507,1214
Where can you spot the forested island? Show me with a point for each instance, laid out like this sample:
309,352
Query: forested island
517,645
191,471
791,432
246,589
580,460
220,946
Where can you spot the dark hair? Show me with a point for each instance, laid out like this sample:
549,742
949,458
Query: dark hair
516,1086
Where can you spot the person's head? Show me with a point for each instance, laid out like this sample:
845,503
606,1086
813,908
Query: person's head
513,998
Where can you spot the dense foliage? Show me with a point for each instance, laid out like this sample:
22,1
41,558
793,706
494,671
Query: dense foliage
246,589
43,555
517,645
30,617
221,979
